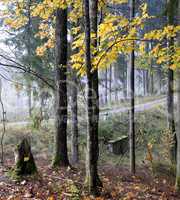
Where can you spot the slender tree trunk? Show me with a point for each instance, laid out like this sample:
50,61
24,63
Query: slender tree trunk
147,83
178,120
151,82
178,116
170,92
132,88
124,78
178,132
4,126
74,110
61,154
128,76
150,73
29,52
29,94
106,86
159,81
110,83
92,178
144,83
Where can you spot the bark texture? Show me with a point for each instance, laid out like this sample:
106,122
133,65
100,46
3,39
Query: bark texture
61,153
170,91
178,133
92,178
178,117
132,88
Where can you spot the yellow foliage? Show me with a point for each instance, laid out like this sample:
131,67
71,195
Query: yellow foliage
116,34
40,50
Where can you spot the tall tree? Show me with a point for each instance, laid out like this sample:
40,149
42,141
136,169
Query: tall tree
61,153
178,116
178,131
132,90
170,92
92,178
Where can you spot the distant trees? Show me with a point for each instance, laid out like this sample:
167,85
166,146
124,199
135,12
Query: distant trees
74,117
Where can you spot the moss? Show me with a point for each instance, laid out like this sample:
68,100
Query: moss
19,171
58,161
177,184
25,164
13,174
87,181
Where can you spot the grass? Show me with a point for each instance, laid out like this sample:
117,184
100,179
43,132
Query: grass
149,128
125,102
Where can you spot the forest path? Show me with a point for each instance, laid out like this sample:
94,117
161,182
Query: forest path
138,108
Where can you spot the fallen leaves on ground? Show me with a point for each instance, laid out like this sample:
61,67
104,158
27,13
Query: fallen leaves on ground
63,184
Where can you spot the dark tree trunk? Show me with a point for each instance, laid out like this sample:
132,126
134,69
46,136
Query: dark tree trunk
170,92
61,154
178,117
132,88
178,131
92,178
24,161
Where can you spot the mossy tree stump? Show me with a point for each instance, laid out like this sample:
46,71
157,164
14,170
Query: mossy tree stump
24,161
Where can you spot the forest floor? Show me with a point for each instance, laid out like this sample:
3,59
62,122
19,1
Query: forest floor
64,184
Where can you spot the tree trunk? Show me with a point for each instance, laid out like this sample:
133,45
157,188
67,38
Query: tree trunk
151,83
132,90
74,111
159,76
110,83
29,94
61,154
128,77
124,78
170,92
106,86
178,117
24,161
92,178
144,83
178,132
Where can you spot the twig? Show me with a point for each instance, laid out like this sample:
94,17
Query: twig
4,128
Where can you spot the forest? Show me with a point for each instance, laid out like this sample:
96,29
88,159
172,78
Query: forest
89,99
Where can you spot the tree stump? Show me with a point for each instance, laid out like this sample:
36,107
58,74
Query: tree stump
24,161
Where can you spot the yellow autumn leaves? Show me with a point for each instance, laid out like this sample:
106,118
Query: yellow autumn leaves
116,33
